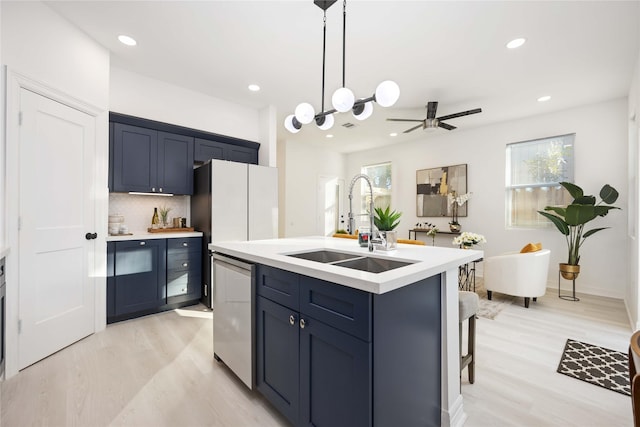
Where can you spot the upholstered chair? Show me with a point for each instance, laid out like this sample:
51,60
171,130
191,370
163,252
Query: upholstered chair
519,274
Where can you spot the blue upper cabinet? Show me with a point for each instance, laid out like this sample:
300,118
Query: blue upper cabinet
206,150
135,159
175,163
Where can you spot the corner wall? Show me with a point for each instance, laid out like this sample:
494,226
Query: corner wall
601,157
632,294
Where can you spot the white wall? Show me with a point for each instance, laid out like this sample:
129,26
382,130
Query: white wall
601,157
141,96
631,295
302,167
61,60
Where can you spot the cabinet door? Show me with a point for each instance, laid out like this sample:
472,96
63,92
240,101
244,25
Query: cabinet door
277,342
111,279
240,154
206,150
140,275
184,269
135,158
175,163
335,377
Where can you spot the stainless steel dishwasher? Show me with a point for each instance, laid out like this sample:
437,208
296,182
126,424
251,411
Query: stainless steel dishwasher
233,308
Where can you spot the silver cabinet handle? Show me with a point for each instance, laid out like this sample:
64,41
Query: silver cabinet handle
143,243
185,264
153,189
292,320
185,244
302,323
161,189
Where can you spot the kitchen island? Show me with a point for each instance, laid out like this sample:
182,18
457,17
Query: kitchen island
384,345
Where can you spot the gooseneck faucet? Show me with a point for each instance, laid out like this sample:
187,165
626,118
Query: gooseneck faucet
351,220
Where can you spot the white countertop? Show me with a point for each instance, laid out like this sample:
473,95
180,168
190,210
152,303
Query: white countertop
428,260
145,235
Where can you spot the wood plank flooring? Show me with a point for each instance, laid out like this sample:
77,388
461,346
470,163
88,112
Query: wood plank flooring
159,371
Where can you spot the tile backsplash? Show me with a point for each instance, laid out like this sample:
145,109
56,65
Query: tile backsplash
138,210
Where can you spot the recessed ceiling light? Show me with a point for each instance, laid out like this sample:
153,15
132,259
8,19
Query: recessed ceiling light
329,135
516,43
127,40
254,88
393,134
544,98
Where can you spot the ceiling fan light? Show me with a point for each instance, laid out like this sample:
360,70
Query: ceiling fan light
387,93
305,113
291,124
363,111
325,122
343,99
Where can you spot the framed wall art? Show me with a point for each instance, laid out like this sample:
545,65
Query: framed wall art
433,187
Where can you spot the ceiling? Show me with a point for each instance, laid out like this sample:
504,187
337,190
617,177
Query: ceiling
452,52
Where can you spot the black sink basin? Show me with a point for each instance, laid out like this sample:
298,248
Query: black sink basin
324,256
372,265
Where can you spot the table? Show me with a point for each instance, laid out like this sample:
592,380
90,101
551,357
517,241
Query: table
467,276
415,232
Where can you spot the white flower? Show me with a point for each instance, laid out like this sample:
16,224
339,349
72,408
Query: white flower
469,239
460,200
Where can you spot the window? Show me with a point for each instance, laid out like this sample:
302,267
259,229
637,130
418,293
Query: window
380,176
533,171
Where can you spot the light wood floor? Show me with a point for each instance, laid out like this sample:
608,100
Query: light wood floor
159,371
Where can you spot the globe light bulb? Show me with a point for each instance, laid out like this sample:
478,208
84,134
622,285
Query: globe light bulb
290,125
365,111
305,113
325,122
387,93
343,99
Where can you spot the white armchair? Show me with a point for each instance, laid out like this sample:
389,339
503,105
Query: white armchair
519,274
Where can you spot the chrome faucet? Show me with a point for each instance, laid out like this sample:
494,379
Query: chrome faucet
352,221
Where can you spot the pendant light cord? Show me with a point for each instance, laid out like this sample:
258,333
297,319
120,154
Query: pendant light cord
324,44
344,37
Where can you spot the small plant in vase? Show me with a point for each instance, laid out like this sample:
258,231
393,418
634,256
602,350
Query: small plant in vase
164,216
432,232
386,220
456,201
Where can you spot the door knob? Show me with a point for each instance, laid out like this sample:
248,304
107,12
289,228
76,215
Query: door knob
91,236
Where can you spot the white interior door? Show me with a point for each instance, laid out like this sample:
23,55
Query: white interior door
56,151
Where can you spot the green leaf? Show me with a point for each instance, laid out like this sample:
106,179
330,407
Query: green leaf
608,194
580,214
603,210
558,210
574,190
557,221
584,200
385,220
595,230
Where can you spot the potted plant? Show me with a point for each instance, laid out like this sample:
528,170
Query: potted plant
571,219
386,220
456,200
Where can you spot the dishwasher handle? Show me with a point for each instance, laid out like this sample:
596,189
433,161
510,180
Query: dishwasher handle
232,262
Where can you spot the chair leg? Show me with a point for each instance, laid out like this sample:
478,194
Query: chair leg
489,295
460,348
535,299
526,302
471,349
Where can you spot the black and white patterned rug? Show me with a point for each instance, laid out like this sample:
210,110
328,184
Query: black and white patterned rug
596,365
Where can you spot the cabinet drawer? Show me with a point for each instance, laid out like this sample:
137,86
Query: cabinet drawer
278,285
183,263
344,308
187,243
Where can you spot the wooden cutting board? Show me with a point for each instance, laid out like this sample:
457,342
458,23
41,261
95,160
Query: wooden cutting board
170,230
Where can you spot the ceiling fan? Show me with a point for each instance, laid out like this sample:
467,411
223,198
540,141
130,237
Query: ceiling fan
433,122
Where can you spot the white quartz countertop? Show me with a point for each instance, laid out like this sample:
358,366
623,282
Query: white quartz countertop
427,260
144,235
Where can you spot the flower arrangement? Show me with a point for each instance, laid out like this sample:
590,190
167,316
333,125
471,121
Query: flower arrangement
164,215
457,200
467,239
432,232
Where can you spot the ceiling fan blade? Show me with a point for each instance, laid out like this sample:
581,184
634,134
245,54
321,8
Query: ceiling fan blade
432,107
460,114
446,126
405,120
413,128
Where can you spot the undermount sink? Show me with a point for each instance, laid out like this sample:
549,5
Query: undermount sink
353,261
324,256
372,265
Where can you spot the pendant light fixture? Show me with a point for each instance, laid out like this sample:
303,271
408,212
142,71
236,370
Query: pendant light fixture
343,99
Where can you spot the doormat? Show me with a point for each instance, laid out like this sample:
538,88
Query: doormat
489,309
596,365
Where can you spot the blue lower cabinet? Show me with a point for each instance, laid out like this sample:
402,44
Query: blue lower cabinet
338,356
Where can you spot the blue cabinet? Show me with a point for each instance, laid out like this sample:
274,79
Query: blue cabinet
153,275
309,365
330,355
206,149
149,161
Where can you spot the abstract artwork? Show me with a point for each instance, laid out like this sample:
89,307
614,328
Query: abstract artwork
433,187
